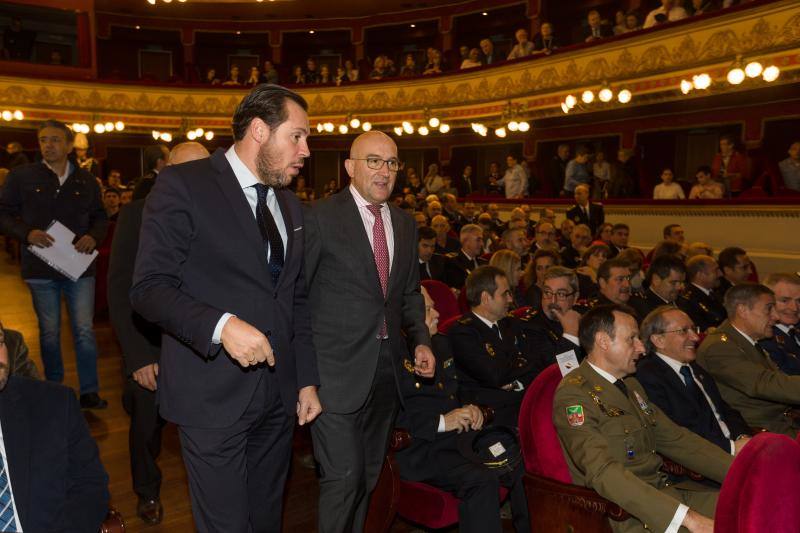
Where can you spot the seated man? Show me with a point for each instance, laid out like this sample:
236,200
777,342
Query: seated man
544,237
52,478
784,345
554,328
790,167
680,387
436,420
748,379
516,240
445,244
487,346
610,434
468,258
613,282
698,299
19,364
431,265
579,240
584,211
736,268
665,279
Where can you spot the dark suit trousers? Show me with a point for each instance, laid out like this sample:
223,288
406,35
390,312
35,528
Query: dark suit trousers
350,449
144,438
237,474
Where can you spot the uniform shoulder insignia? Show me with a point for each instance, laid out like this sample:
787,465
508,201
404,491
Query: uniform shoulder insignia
529,315
576,380
408,365
490,349
451,255
723,337
575,415
446,364
465,320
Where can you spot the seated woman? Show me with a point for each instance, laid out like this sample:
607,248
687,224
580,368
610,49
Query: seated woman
325,75
509,262
533,279
592,258
298,78
254,78
378,69
668,189
434,65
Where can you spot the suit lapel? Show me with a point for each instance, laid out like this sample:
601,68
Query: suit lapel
16,438
287,222
399,237
354,226
676,380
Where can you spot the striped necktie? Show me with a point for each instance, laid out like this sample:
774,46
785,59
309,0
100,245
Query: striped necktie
7,520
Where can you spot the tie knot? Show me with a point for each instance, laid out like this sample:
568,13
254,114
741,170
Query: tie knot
621,386
686,371
375,209
262,191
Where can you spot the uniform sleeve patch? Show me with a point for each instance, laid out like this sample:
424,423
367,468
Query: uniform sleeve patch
575,415
408,365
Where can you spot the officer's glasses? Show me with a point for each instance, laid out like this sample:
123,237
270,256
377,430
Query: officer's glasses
376,163
559,295
684,331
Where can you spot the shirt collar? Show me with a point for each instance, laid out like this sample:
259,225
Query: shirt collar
67,170
673,364
784,328
485,320
360,201
608,377
243,175
705,291
745,335
658,295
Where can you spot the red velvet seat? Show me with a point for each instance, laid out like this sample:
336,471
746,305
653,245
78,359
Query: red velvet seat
445,326
428,506
760,492
444,300
520,311
463,306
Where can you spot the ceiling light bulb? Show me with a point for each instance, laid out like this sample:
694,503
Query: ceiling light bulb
85,128
605,94
524,126
753,69
624,96
99,128
423,130
407,127
701,81
329,127
736,76
151,2
513,125
166,137
366,126
444,128
156,134
771,73
199,132
571,101
320,127
587,97
76,126
564,107
7,115
343,128
18,115
500,132
109,126
191,135
166,1
355,123
209,135
686,86
433,122
398,131
119,125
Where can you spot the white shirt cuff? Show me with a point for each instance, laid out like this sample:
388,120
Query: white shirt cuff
571,338
215,338
677,520
733,447
518,386
440,429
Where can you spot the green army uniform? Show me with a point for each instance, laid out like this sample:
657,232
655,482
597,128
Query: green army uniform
611,442
749,380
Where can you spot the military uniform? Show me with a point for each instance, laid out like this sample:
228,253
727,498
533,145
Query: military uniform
645,303
611,441
599,299
749,380
434,458
544,339
570,257
719,292
784,348
487,362
433,269
706,311
458,266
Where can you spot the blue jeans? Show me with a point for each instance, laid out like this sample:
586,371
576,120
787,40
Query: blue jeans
79,295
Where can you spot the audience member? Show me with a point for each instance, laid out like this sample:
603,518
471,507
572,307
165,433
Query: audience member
431,264
233,77
595,29
114,178
784,344
434,65
311,74
545,41
790,168
466,184
620,233
17,42
613,283
269,74
514,180
591,259
467,259
667,12
341,76
576,172
378,69
254,78
433,182
18,361
580,239
665,280
444,243
601,173
545,237
730,166
736,269
325,76
668,189
16,157
487,52
706,188
619,23
523,48
409,68
351,70
698,299
584,211
509,262
533,277
82,157
558,169
624,182
565,232
211,77
125,196
472,60
603,233
298,78
111,203
632,22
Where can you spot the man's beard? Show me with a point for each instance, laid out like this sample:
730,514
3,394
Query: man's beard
267,163
3,376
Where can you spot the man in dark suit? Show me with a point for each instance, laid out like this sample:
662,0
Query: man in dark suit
488,347
431,265
698,299
736,269
363,281
683,390
237,360
784,345
586,212
19,363
595,30
51,477
665,280
468,258
141,345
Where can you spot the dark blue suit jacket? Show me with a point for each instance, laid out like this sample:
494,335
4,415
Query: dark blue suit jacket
58,481
667,390
784,349
200,255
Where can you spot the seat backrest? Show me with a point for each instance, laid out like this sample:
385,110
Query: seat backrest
443,298
760,491
541,449
520,311
444,326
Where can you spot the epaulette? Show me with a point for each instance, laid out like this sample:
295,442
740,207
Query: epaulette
529,314
723,337
464,320
576,380
408,365
451,255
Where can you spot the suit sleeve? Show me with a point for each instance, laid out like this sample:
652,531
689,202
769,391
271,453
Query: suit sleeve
87,497
732,418
21,363
413,303
98,219
302,341
11,223
470,353
165,240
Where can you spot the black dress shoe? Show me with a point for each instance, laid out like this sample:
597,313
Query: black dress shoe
150,510
92,400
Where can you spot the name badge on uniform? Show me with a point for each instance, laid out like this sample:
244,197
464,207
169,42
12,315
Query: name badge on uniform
575,415
567,362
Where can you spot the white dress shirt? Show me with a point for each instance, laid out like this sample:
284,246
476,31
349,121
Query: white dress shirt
680,513
369,221
8,476
63,177
705,291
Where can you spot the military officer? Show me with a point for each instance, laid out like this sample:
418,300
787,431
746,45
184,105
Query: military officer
698,299
614,283
435,419
665,280
431,264
488,346
554,329
459,265
736,268
611,435
748,379
784,345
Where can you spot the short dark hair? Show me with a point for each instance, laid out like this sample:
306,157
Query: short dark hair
619,226
666,248
592,250
604,272
547,252
698,264
111,190
482,279
152,154
668,229
600,318
53,123
267,102
727,257
663,265
425,233
705,169
744,294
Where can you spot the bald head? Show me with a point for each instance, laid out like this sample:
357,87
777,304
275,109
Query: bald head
373,184
363,143
187,151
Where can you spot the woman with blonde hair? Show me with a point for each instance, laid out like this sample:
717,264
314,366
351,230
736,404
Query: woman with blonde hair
433,181
509,262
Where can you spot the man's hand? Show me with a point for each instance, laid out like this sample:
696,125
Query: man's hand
246,344
424,361
146,376
739,444
569,320
463,419
40,239
697,523
308,405
86,244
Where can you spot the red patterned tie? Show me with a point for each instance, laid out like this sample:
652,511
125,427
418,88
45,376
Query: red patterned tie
381,252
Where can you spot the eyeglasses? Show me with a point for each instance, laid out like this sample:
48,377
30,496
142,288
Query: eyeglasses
683,331
376,163
560,295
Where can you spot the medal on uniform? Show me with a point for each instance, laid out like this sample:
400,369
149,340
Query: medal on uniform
447,363
575,415
608,411
630,453
408,366
642,403
490,349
